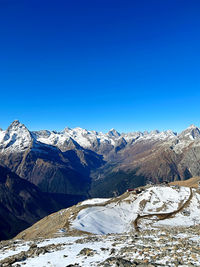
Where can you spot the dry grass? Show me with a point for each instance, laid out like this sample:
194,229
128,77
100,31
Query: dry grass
192,182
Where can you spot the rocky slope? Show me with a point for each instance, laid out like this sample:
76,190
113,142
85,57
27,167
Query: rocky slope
156,247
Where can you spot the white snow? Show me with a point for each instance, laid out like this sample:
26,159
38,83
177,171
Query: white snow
190,218
87,139
69,254
10,252
118,216
15,138
104,247
2,133
94,201
18,138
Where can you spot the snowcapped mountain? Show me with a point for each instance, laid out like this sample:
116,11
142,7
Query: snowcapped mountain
79,161
45,165
17,137
97,141
192,132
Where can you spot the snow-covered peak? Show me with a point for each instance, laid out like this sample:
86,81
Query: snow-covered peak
192,126
192,132
15,124
170,132
18,127
154,132
67,129
17,137
80,130
1,135
113,133
157,135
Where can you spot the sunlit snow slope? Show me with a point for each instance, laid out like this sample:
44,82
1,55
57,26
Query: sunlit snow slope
154,207
119,216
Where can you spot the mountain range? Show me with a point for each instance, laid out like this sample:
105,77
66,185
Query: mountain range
77,164
77,161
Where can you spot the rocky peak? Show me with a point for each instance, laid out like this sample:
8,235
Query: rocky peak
154,132
17,126
170,132
113,133
192,132
16,137
192,126
67,129
80,131
69,143
145,133
15,123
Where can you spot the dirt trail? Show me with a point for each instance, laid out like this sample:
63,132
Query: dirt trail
163,216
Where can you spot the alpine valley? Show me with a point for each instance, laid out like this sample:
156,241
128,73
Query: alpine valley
59,169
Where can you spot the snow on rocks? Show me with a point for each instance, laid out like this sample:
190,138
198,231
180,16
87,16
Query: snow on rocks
160,247
16,138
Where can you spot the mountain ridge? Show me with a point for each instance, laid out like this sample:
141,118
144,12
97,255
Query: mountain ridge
87,139
78,161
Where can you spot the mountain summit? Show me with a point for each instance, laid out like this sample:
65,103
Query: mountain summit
17,137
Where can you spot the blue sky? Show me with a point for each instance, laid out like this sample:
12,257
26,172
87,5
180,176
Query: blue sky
100,64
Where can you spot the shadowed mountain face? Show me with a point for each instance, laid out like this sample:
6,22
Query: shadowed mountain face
21,204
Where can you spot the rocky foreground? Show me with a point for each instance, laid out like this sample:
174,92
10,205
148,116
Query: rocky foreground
156,247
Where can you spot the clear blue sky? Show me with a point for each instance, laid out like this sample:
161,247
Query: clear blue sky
100,64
